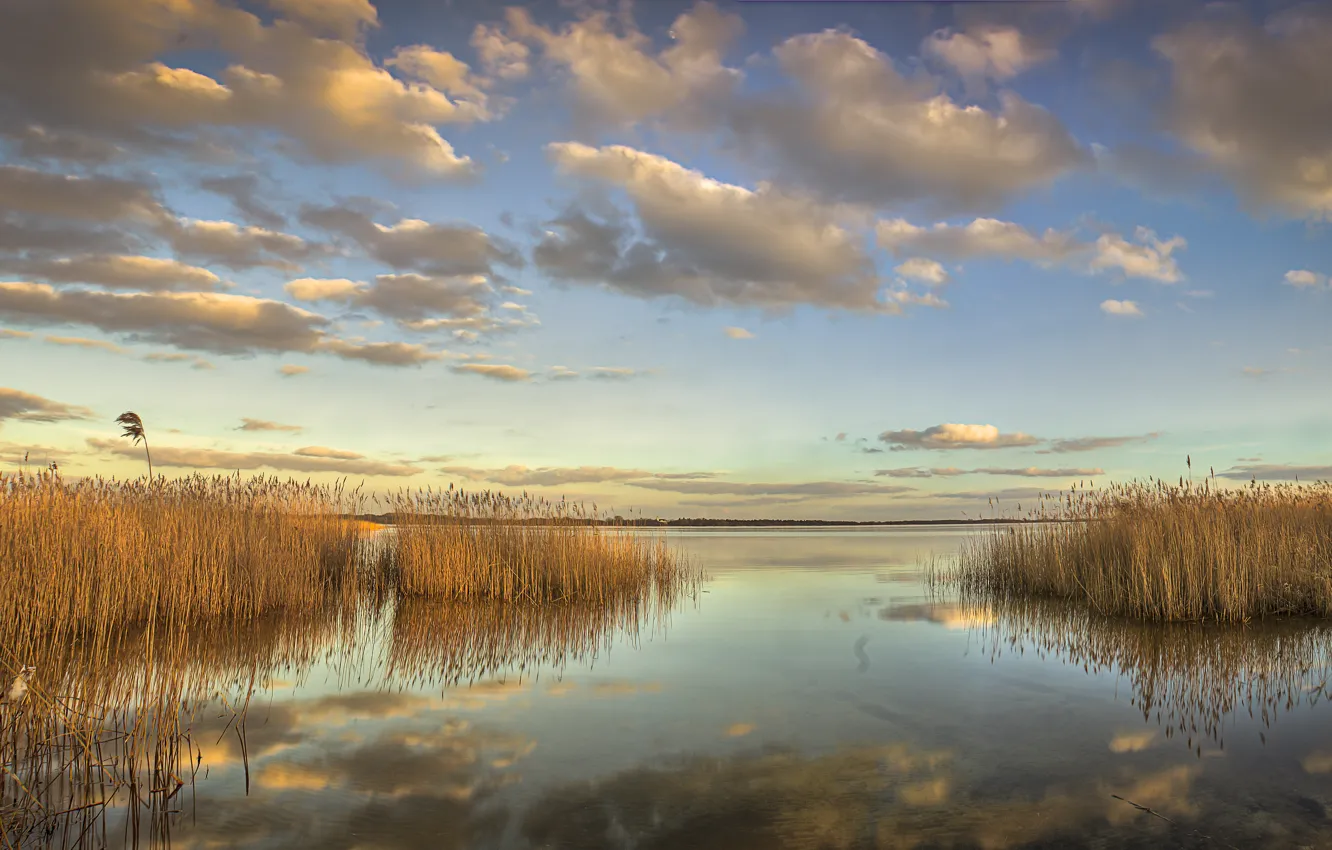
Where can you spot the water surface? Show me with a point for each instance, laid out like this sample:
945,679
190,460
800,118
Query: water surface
814,695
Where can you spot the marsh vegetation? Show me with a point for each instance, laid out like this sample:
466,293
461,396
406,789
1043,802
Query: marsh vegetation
1163,552
150,606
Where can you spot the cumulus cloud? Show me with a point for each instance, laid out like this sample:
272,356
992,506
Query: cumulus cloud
248,424
204,321
1305,279
1126,309
234,246
739,333
200,321
927,271
289,370
380,353
96,69
494,371
500,55
243,192
407,297
95,199
617,77
1252,100
439,250
195,458
27,407
955,436
987,238
991,51
114,271
707,242
1150,259
856,129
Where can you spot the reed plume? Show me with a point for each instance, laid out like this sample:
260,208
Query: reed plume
132,427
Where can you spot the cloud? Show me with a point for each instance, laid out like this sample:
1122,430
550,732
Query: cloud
439,250
26,407
81,342
342,19
96,69
8,334
707,242
1151,259
614,373
1305,279
290,371
325,452
495,371
954,436
1024,472
812,489
561,373
243,192
115,271
1127,309
248,424
985,238
1277,472
618,79
522,476
95,199
380,353
1251,100
927,271
235,246
738,333
406,297
201,321
985,52
1255,372
500,55
1089,444
192,458
855,129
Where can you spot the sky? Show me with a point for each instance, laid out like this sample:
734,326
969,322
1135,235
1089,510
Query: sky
864,261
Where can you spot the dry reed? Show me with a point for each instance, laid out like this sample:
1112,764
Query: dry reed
1165,552
459,545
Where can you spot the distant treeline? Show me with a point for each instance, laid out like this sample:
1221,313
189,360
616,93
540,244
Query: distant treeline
704,522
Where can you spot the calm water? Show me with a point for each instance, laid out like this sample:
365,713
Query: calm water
814,696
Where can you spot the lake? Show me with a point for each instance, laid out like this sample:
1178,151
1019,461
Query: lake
815,694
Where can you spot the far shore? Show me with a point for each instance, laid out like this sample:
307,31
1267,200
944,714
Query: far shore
699,522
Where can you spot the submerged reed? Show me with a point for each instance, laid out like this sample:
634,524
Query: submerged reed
1163,552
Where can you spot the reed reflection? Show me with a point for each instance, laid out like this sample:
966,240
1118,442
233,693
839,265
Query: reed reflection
1188,677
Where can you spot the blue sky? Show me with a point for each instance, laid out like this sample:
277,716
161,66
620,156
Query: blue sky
855,260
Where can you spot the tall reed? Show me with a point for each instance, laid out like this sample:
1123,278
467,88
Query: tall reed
1166,552
459,545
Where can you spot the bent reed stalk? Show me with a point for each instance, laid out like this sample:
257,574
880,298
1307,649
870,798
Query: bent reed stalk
1157,551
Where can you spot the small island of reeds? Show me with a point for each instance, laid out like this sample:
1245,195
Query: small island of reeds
1164,552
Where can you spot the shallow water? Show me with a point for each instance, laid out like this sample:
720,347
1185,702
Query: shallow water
814,695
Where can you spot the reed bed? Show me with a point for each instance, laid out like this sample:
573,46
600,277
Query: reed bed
1188,677
1157,551
459,545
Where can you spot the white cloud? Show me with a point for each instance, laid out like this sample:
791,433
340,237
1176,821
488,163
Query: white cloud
990,51
1151,259
739,333
856,129
706,241
1121,308
919,268
115,271
956,436
1306,279
27,407
1253,101
495,371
